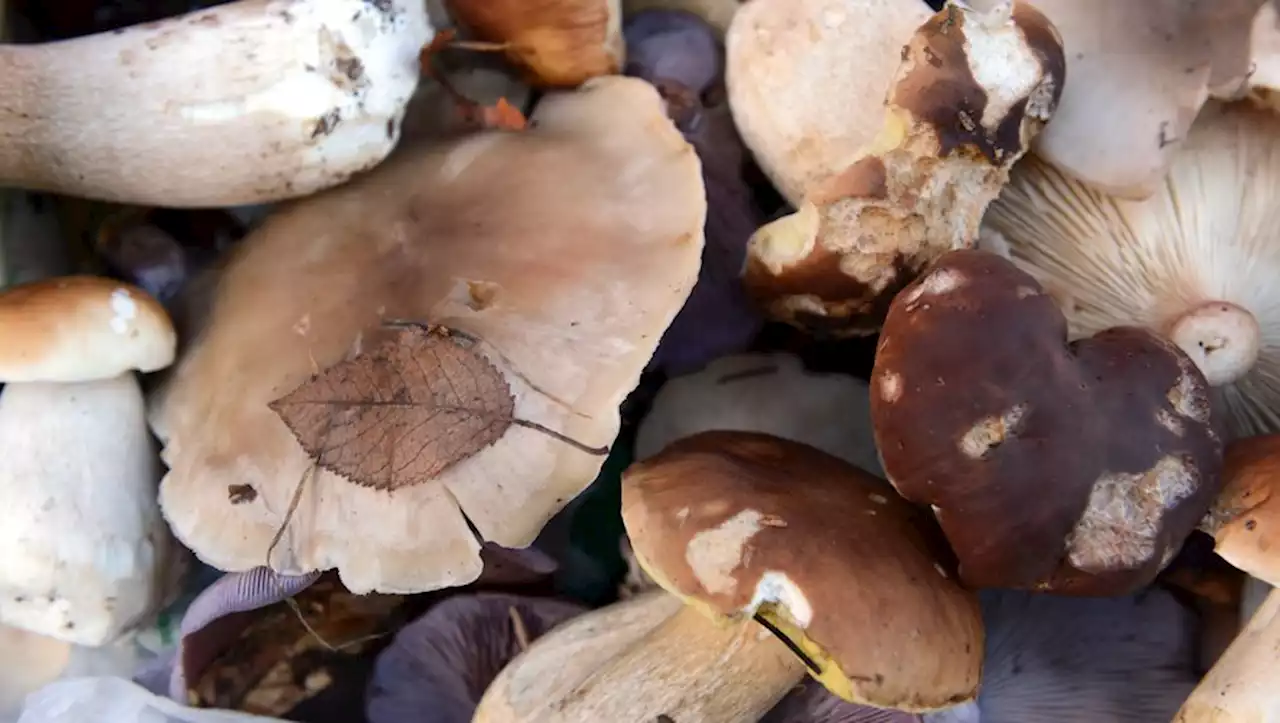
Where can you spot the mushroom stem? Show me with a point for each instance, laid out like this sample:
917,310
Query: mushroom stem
312,92
1241,686
1221,338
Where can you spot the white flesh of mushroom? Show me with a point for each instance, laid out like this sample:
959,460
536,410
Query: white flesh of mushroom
249,102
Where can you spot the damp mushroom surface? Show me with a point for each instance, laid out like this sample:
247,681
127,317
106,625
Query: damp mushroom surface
1075,467
468,304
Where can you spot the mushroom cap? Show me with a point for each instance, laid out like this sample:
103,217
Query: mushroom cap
1245,522
671,45
742,523
807,79
438,667
1207,236
80,329
717,13
1051,466
771,393
491,236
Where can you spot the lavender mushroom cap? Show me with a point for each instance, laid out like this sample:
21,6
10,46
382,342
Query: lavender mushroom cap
673,46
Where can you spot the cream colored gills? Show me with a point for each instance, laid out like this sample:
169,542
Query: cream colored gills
249,102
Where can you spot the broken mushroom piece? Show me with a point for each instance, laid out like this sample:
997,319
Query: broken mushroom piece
313,93
1241,686
1078,468
556,43
547,310
438,666
788,560
1138,73
972,90
1245,518
85,548
771,393
1195,262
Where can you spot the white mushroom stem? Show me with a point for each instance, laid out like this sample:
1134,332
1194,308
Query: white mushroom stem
1241,687
644,663
1223,339
82,543
249,102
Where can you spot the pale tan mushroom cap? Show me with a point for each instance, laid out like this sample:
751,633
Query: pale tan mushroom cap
80,329
807,80
567,249
1206,244
1138,71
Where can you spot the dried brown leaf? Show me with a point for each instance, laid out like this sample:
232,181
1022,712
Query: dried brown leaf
402,413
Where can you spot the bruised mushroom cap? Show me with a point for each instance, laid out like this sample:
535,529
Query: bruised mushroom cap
807,78
490,236
81,328
1138,72
1197,261
438,667
770,393
1245,520
740,523
1052,466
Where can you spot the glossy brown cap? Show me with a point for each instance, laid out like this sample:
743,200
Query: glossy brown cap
1079,467
740,521
1245,520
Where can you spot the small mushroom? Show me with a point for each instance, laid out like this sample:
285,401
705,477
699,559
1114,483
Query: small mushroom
771,393
85,548
1241,687
438,666
1077,467
312,94
556,43
1195,262
1138,73
972,89
540,311
788,560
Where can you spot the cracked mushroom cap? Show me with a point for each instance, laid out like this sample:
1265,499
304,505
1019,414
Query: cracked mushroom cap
1196,261
554,258
1075,467
740,524
1245,521
1138,72
80,329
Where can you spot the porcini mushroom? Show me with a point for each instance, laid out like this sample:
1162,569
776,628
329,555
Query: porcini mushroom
540,308
764,537
771,393
1195,262
85,547
1077,467
312,93
972,89
1138,72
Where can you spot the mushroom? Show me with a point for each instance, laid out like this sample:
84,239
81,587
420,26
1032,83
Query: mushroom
1138,72
771,393
972,90
717,13
1195,262
539,308
1078,467
1241,687
788,560
312,94
85,547
438,666
1054,659
556,43
103,698
1245,519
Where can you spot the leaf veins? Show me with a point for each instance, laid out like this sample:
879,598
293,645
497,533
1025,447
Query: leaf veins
402,413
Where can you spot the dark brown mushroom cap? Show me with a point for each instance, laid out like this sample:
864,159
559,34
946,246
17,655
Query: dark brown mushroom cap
1075,467
438,666
742,521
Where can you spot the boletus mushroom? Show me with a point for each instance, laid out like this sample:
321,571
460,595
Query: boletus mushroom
788,561
485,305
312,94
1196,261
972,89
85,547
1075,467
